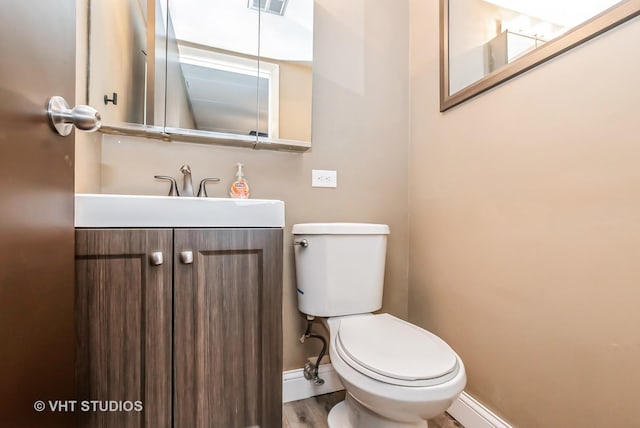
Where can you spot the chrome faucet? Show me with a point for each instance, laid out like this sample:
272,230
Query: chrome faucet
187,184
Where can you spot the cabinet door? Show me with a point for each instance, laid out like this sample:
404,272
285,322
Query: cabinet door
123,324
228,328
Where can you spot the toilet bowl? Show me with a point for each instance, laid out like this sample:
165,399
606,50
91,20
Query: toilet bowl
396,374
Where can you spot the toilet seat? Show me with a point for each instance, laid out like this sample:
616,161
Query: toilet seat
394,351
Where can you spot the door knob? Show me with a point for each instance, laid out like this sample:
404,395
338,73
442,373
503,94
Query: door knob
63,118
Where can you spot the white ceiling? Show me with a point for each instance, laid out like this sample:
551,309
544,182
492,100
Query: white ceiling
232,26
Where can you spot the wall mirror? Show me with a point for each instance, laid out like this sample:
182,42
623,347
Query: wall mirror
235,72
485,42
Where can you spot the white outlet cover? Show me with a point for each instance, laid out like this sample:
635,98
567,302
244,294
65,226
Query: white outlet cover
324,178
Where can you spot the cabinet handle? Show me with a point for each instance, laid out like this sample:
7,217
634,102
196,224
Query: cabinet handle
156,258
186,257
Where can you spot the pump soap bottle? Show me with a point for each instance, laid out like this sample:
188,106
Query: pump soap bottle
240,187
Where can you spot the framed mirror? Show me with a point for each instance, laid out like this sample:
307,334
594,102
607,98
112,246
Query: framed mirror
234,72
486,42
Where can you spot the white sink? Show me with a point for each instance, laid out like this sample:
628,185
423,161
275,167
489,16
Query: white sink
97,210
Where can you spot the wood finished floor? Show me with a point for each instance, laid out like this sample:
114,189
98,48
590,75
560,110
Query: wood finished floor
312,413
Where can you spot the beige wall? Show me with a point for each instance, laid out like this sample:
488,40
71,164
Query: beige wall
360,129
525,230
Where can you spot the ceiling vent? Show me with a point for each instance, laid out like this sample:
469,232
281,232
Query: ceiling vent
276,7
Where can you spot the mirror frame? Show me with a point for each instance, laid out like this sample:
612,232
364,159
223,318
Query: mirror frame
597,25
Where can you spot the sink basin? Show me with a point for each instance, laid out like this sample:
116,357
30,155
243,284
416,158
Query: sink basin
98,210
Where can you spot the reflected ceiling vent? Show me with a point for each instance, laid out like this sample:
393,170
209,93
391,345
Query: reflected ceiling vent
276,7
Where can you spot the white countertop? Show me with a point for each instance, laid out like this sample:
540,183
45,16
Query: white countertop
102,210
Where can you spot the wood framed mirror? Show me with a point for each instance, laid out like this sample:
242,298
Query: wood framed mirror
486,42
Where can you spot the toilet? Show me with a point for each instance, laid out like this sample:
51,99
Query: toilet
395,374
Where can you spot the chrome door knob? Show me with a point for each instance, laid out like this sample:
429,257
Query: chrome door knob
63,118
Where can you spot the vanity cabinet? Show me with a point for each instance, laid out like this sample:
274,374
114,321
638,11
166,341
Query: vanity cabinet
196,336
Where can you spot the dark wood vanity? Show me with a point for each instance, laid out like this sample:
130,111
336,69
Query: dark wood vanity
186,321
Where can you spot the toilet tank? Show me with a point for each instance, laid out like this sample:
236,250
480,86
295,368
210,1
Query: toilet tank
339,267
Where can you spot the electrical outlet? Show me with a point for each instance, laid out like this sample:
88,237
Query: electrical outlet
324,178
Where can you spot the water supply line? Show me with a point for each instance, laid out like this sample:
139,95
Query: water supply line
310,369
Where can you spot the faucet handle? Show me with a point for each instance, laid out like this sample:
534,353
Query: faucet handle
173,191
202,190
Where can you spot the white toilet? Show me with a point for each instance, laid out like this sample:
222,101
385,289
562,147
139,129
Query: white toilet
396,374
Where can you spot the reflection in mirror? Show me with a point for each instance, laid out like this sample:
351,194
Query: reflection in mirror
122,61
212,66
485,42
218,80
285,107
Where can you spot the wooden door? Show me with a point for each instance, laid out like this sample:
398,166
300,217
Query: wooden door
228,328
37,47
123,315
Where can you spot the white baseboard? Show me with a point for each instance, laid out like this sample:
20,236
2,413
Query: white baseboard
296,387
465,409
473,414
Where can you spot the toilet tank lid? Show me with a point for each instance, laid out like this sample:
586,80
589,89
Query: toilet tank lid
340,229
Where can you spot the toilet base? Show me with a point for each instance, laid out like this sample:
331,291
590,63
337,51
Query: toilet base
351,414
338,416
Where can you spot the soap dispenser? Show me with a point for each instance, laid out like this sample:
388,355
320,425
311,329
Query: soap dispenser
240,187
